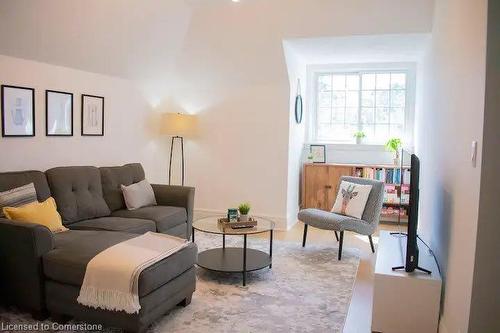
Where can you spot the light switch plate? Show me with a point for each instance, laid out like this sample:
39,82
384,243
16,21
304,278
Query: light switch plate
473,156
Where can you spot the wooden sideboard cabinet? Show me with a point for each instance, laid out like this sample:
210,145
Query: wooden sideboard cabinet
320,184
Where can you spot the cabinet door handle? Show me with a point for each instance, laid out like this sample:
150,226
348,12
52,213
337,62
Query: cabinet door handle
328,186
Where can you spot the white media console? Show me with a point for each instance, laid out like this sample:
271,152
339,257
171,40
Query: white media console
404,302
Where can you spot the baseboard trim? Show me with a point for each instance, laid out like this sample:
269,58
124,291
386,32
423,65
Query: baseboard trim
280,222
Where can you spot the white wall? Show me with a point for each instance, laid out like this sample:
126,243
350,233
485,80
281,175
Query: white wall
450,119
129,133
297,132
485,305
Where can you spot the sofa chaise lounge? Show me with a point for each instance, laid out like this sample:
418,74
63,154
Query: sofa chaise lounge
42,272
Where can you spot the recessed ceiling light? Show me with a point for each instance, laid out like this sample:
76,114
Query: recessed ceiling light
235,0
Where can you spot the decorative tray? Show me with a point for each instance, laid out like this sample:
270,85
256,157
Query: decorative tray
239,224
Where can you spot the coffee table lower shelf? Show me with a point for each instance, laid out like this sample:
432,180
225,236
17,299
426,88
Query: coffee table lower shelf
234,260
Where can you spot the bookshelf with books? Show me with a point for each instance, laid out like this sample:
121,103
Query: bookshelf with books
319,186
396,191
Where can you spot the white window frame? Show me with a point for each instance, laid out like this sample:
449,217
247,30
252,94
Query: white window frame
313,71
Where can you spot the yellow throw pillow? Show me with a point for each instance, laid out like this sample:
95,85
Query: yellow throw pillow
43,213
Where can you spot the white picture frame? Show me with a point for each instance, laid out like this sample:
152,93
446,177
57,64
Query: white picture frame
58,113
92,115
18,111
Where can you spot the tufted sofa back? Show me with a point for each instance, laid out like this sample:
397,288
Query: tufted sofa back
114,177
78,192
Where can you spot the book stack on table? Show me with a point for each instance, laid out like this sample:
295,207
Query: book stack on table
237,224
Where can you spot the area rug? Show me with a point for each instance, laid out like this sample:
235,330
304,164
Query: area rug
307,290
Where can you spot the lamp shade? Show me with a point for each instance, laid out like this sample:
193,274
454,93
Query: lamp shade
179,124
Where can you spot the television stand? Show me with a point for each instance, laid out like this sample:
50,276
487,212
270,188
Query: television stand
402,301
417,269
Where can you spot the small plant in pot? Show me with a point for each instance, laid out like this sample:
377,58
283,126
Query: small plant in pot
244,208
310,158
359,135
394,145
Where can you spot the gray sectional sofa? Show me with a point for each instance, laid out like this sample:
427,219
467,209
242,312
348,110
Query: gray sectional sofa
42,272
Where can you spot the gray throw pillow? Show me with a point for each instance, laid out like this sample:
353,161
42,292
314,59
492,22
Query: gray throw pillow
138,195
17,197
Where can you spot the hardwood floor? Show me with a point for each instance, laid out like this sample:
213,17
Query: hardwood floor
360,311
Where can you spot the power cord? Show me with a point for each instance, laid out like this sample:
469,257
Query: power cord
431,252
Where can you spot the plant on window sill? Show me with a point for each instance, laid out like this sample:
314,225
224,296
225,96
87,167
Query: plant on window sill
394,145
359,135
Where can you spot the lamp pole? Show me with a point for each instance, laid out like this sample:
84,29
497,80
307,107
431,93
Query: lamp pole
182,159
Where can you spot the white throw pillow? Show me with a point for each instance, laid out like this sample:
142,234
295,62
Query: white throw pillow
351,199
138,195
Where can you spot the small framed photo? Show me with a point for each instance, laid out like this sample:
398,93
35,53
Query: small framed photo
92,115
58,113
318,153
18,111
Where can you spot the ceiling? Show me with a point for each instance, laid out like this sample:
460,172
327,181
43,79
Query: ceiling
125,38
361,48
194,44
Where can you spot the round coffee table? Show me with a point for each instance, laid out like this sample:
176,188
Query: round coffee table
234,259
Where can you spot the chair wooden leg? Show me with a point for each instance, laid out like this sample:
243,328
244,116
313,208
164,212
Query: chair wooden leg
305,235
336,235
340,244
371,243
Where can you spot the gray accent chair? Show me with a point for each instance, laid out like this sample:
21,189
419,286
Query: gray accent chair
42,272
339,223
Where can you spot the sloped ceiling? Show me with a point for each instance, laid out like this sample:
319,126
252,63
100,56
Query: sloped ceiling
126,38
161,41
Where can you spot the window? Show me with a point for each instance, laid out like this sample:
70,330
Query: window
372,102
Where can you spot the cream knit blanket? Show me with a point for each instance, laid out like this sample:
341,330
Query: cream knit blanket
112,277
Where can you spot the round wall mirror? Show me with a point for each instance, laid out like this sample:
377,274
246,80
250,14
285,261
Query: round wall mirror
298,109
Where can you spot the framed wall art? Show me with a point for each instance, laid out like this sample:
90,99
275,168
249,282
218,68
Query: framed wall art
92,115
18,111
318,153
58,113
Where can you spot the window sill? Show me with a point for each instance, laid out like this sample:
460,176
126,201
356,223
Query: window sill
351,146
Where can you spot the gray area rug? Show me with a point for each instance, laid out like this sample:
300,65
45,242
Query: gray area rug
307,290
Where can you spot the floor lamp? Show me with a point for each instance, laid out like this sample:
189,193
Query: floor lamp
178,126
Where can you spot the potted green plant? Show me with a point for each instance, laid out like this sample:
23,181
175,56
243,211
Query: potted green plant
244,208
359,135
394,145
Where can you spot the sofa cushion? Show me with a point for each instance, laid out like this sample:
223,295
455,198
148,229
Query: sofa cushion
78,193
10,180
165,217
114,177
111,223
17,197
138,195
42,213
74,249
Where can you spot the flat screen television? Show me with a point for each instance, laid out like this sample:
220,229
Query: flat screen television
411,262
411,240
